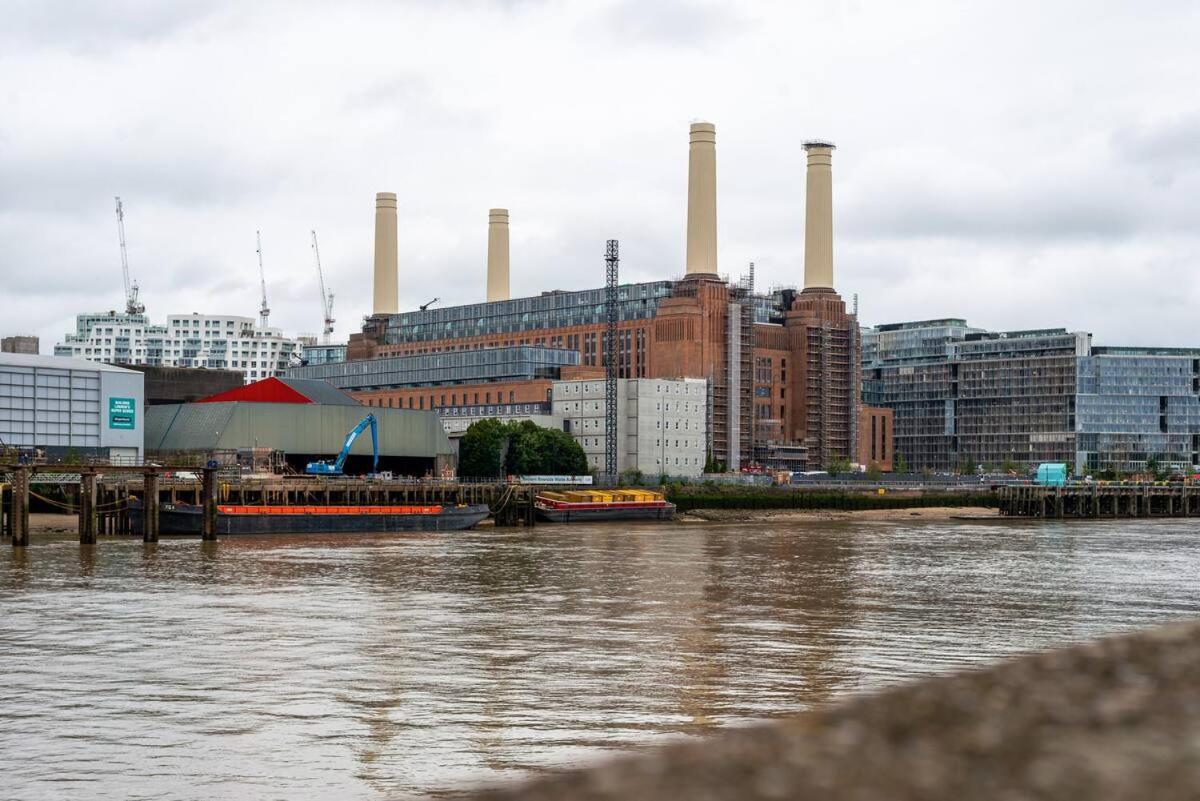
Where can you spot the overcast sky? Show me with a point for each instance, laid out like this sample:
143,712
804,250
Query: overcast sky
1019,164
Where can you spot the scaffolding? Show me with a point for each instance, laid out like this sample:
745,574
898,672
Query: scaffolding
739,384
612,309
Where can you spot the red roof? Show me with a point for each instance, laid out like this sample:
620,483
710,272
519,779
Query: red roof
269,390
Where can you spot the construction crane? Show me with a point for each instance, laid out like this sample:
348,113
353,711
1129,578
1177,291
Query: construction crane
326,297
325,468
425,306
132,305
264,311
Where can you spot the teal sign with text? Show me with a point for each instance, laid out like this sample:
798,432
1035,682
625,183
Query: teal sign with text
121,412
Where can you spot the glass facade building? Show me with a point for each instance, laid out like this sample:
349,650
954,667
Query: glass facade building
522,315
486,365
1138,404
963,396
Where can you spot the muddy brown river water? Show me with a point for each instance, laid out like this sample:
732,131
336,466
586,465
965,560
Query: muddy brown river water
361,667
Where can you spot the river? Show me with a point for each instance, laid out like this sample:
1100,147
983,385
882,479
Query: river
417,665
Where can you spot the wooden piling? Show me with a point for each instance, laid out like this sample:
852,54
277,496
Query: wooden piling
150,505
87,507
208,492
19,507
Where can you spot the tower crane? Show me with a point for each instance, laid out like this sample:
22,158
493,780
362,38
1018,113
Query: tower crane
132,305
326,297
264,311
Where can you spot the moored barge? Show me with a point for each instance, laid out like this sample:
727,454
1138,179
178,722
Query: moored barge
596,505
180,518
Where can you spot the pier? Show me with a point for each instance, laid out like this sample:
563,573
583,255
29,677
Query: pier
103,494
1100,501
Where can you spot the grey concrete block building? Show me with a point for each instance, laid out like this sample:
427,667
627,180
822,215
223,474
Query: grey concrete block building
71,408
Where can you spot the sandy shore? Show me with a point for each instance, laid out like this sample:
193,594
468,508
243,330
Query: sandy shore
43,523
760,515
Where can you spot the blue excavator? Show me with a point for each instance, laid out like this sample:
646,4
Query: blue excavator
325,468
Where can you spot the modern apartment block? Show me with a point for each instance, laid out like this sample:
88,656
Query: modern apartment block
661,424
187,340
961,396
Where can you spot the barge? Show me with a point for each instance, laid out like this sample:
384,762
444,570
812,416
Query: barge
181,518
596,505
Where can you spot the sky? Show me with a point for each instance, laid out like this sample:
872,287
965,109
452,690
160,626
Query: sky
1018,164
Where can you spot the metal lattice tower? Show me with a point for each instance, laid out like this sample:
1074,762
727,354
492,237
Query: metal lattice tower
611,261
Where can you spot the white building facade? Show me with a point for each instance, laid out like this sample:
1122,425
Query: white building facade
71,407
187,340
661,424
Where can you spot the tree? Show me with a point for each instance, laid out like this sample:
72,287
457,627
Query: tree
874,472
968,467
480,449
1009,466
900,464
837,465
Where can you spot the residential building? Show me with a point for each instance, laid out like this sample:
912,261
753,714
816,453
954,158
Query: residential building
187,340
965,397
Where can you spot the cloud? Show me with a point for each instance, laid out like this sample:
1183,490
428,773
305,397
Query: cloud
995,161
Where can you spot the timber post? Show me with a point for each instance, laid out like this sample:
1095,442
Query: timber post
87,507
150,505
19,509
208,491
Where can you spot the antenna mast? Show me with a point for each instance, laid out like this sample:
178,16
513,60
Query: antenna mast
326,297
132,306
264,311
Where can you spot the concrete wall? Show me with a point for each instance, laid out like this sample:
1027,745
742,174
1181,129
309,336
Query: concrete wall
660,423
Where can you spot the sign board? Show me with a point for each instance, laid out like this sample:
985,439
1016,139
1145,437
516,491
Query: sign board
122,413
554,479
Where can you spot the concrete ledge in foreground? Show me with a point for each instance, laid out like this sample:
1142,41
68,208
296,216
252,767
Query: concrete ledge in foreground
1114,719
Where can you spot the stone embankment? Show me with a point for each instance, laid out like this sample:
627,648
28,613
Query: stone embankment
1114,719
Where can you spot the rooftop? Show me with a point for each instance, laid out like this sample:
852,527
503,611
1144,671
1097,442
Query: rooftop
58,363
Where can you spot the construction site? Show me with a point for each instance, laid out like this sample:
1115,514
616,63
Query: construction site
782,367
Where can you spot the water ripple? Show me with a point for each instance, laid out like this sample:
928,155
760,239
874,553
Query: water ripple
415,666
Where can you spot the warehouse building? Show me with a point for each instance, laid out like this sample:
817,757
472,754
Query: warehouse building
70,409
299,421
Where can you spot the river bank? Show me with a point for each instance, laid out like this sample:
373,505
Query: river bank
800,515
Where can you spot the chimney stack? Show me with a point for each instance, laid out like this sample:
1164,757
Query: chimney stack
386,300
818,217
497,260
702,200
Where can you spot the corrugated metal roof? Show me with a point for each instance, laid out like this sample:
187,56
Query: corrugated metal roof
290,427
58,363
319,391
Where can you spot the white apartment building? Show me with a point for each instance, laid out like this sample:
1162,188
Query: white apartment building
661,424
187,340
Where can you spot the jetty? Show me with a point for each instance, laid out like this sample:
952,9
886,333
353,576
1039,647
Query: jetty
103,493
1099,500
